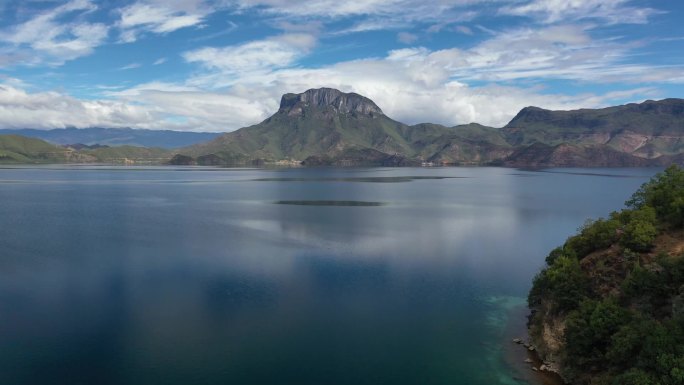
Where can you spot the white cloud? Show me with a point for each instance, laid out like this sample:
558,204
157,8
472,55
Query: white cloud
276,52
159,61
334,8
46,110
46,39
130,66
463,29
159,17
411,84
552,11
406,38
202,110
241,84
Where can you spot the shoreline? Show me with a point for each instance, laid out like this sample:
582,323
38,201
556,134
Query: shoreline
519,359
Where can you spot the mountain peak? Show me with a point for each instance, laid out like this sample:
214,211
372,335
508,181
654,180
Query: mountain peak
341,102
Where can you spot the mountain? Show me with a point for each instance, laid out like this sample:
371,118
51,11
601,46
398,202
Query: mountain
20,149
646,130
609,306
316,122
116,136
329,127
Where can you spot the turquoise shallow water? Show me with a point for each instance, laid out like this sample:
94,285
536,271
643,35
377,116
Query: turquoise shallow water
295,276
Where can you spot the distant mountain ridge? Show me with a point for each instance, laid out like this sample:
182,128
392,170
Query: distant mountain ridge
115,136
16,149
328,127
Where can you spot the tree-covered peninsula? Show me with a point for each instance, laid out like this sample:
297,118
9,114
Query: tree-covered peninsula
609,306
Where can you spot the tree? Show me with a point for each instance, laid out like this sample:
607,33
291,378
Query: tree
665,193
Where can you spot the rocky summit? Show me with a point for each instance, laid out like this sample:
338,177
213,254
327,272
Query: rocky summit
322,98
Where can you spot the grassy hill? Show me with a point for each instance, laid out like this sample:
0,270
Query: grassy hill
19,149
129,154
116,136
15,149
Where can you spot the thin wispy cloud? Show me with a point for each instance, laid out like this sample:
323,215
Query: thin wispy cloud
130,66
159,18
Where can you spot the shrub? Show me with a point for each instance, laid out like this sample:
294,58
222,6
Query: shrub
593,235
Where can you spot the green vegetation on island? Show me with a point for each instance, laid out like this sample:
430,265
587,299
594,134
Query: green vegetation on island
609,307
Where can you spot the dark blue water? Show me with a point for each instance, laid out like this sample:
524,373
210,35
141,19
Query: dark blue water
298,276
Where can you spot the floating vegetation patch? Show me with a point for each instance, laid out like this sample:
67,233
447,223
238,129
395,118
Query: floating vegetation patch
609,175
378,179
331,203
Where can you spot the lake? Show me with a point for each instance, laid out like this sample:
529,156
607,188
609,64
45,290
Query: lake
162,275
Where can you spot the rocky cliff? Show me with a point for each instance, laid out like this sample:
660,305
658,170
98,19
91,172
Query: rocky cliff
322,98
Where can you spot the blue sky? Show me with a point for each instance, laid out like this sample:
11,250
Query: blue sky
220,65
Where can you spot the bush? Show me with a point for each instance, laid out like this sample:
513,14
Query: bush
636,377
640,232
564,282
593,235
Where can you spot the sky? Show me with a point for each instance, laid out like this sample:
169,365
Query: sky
219,65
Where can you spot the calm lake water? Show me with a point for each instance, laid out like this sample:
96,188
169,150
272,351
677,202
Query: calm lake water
295,276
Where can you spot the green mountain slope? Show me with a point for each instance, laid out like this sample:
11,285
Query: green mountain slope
20,149
17,149
647,130
323,121
609,307
328,124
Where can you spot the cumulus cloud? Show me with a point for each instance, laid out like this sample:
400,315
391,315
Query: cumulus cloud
202,110
241,84
411,85
45,39
46,110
